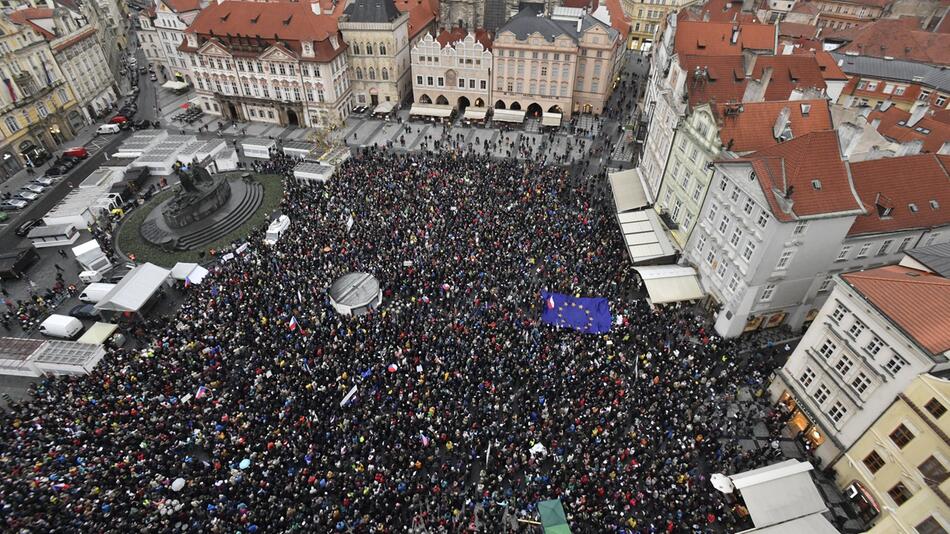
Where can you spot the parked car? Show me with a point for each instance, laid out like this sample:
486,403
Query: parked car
56,171
25,228
65,163
141,124
360,109
27,195
76,152
84,311
44,181
118,119
36,188
13,204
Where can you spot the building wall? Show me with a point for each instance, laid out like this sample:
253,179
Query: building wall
870,91
902,465
646,18
597,65
379,60
686,178
840,15
84,65
534,71
150,41
847,369
466,63
170,27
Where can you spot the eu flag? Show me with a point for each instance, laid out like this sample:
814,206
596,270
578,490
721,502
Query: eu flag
589,315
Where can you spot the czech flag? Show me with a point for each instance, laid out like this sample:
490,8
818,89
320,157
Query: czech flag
201,393
551,303
294,325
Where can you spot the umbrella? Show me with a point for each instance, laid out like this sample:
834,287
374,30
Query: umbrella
186,105
722,483
245,463
392,368
178,484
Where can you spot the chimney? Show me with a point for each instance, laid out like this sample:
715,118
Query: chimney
755,89
781,124
916,114
748,62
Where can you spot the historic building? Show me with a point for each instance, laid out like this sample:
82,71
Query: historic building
565,63
283,63
37,108
172,18
487,14
148,37
453,69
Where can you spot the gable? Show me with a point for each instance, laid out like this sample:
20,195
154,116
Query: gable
213,49
277,53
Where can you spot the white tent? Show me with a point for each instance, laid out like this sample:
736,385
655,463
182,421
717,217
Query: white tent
135,289
90,256
98,333
384,108
192,271
431,110
508,115
549,118
256,147
780,493
174,86
670,283
644,235
476,114
628,191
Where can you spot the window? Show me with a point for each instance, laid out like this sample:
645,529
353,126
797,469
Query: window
748,251
763,220
904,243
418,80
711,214
861,383
884,246
734,282
808,376
862,85
899,493
821,394
837,412
721,271
934,472
701,242
768,293
826,283
800,227
784,259
710,258
843,253
873,462
901,436
935,408
736,237
895,364
930,526
749,205
872,86
856,329
723,224
827,348
863,252
874,346
844,365
12,124
735,194
723,184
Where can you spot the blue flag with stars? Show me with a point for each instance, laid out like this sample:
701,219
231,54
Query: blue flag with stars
589,315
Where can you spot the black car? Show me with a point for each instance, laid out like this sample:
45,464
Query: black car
25,228
360,109
84,311
56,171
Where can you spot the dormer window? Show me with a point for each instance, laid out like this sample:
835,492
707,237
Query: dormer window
934,204
816,185
912,207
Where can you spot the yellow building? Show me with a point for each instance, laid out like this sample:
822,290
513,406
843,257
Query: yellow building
896,473
646,17
38,110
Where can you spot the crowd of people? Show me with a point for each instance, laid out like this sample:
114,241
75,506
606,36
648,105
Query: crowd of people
467,410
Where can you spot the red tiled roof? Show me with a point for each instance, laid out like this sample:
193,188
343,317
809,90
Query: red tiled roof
715,38
182,6
422,13
900,40
26,16
449,37
937,132
750,130
797,30
618,18
805,8
829,67
796,164
897,183
291,22
727,80
719,11
917,302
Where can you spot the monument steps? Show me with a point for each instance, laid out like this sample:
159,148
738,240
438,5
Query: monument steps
253,198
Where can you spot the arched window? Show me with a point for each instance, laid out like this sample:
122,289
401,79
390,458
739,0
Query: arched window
369,49
372,73
12,124
382,49
385,73
356,49
359,73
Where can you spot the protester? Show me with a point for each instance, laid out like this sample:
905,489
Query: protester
458,382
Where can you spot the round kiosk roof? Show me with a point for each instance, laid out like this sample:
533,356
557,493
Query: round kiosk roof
354,289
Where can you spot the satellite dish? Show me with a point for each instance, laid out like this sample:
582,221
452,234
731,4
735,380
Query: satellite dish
722,483
178,484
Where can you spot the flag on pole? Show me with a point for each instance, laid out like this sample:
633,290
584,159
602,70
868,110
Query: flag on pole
294,325
201,393
550,302
187,281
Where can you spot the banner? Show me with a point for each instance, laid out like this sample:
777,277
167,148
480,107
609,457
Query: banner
589,315
348,396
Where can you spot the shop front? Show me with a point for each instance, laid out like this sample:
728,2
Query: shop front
801,424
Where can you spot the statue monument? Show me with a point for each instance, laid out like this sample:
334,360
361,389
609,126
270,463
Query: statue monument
198,196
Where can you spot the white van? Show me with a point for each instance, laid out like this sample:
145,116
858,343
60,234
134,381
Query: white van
90,276
276,228
93,293
108,129
61,326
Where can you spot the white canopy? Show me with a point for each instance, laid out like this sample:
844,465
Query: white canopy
508,115
644,235
550,119
192,271
779,493
98,333
174,86
670,283
384,107
431,110
134,290
628,190
476,114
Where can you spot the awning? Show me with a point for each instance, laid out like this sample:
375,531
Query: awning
779,492
431,110
174,86
508,115
134,290
553,519
384,107
476,114
644,235
192,271
628,191
98,333
550,119
670,283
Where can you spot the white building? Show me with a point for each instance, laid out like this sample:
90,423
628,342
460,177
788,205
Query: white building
295,76
172,18
877,332
148,37
452,69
